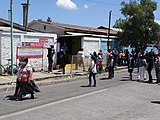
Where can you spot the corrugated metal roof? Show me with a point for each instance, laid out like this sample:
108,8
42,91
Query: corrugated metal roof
75,28
8,29
6,23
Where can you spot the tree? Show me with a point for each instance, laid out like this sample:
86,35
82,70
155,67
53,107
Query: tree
49,19
138,28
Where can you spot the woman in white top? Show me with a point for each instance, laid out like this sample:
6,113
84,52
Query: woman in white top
92,71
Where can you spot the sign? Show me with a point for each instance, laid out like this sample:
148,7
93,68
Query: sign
46,42
30,50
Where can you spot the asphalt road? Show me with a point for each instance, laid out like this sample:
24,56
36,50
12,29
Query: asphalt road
112,99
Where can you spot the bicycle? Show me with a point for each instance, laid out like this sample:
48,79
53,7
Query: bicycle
7,68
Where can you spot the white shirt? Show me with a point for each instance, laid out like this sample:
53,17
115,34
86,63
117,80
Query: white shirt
93,66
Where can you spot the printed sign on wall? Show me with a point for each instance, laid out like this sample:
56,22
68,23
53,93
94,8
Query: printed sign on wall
30,50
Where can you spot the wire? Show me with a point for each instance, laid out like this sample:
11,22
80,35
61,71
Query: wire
94,1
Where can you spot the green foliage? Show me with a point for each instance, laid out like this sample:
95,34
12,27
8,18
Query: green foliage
138,28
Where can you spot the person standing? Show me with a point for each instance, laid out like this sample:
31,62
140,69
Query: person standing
63,61
150,61
51,52
100,53
80,57
107,57
100,64
141,63
157,68
131,65
92,71
111,67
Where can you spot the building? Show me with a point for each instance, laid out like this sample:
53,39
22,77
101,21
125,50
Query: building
28,43
72,37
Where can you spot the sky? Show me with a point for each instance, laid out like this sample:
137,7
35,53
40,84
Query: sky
90,13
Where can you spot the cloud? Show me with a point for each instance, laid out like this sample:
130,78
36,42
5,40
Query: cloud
157,21
85,6
66,4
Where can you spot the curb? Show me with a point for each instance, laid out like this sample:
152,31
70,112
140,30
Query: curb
61,79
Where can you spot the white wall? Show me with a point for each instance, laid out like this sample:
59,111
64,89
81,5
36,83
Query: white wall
5,47
90,44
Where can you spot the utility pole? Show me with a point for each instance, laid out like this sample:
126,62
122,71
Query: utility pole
109,29
11,22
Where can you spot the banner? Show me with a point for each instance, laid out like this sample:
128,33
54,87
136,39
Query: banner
30,50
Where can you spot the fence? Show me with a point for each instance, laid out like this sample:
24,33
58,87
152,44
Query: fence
79,64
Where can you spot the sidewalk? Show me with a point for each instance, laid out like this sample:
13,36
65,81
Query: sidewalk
42,76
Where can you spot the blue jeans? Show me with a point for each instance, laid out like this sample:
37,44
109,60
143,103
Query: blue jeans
94,78
111,72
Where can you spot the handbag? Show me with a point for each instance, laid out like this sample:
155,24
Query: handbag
106,69
89,69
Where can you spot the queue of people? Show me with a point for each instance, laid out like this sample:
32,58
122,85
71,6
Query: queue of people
143,62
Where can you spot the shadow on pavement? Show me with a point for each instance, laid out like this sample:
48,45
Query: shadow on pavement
10,97
84,86
104,79
15,98
155,102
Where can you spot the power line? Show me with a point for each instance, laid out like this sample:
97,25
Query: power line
117,15
94,1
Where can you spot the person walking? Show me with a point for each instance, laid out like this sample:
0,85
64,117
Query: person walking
24,76
17,81
50,55
92,71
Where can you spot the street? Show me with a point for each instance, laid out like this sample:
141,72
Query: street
112,99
